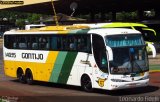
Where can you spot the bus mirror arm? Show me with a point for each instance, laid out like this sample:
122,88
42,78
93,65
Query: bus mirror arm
110,53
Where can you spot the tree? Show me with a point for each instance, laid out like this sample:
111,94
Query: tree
127,16
19,18
20,23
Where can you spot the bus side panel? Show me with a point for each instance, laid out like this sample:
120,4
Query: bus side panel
98,78
36,68
41,68
55,73
9,68
42,71
67,66
62,67
77,70
83,66
45,70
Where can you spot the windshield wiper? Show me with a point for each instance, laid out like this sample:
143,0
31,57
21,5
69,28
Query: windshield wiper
138,66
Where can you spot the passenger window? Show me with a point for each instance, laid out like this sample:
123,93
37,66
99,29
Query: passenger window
44,43
22,45
22,42
78,43
54,42
9,41
34,43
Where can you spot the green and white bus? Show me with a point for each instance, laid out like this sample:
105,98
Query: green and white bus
148,34
108,59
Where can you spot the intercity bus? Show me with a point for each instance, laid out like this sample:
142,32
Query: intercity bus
154,24
109,59
149,34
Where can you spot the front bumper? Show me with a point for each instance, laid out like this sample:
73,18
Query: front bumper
125,85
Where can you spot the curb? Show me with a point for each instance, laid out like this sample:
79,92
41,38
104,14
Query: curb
154,71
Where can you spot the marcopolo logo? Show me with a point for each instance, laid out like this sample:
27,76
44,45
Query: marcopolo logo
9,2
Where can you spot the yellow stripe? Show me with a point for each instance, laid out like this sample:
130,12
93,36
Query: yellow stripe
63,32
52,56
151,71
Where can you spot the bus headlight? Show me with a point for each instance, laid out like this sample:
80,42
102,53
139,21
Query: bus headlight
118,80
146,77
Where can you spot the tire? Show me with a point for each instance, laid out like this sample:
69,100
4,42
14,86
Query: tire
86,83
29,77
20,76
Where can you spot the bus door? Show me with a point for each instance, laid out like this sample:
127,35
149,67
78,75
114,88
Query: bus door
101,67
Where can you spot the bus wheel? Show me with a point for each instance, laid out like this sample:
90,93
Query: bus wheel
86,83
20,76
29,77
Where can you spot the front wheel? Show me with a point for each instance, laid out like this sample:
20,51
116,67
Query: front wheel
86,83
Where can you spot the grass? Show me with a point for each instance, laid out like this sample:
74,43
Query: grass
154,68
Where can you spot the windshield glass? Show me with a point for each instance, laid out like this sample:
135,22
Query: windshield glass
128,57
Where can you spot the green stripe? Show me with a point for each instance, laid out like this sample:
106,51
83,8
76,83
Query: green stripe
73,31
58,66
79,31
67,66
84,31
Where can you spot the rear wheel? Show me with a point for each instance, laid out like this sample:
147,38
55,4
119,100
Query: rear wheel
20,76
29,77
86,83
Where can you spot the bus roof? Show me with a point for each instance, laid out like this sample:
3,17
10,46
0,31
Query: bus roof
74,29
63,28
114,31
122,24
52,28
113,25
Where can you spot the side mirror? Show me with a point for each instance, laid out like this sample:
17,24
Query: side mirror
152,48
110,53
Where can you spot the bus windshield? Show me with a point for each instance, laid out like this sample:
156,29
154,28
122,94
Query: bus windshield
129,56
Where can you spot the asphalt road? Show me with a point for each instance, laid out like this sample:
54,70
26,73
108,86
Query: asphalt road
12,90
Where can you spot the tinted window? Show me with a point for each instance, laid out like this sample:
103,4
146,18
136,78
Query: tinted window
79,43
